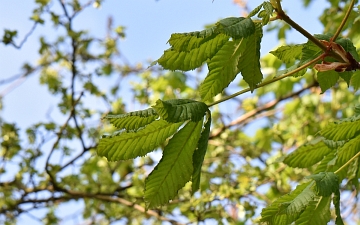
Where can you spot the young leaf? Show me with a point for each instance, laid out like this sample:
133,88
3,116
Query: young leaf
266,13
317,212
175,168
222,68
256,10
342,130
236,27
133,120
327,79
326,183
308,154
178,110
288,53
133,144
199,154
286,209
190,51
249,65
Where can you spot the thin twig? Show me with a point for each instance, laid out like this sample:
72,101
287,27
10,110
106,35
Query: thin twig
344,20
348,162
260,109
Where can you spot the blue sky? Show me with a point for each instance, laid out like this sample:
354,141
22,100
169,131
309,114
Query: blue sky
148,23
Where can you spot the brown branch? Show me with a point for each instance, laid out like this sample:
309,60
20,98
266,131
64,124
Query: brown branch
258,110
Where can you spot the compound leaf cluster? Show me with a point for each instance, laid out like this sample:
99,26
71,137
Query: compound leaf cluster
337,147
180,123
230,47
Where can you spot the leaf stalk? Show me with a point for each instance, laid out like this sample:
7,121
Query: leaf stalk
268,82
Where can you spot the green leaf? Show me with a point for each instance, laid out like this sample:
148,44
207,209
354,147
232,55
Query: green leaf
288,53
349,150
326,183
346,76
133,120
326,163
336,202
133,144
355,80
178,110
199,154
236,27
294,67
349,47
249,65
189,52
327,79
256,10
222,69
175,168
287,208
334,144
308,154
266,13
317,212
342,130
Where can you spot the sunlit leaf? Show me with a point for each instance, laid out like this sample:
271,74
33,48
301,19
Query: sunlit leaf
342,130
190,51
133,144
175,168
236,27
288,53
133,120
286,209
199,154
249,66
178,110
317,212
222,68
327,79
308,154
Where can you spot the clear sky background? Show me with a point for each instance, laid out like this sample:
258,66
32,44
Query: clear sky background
148,23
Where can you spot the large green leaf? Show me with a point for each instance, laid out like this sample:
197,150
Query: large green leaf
287,208
133,120
288,53
249,64
190,51
199,154
326,183
317,212
133,144
222,68
177,110
342,130
175,168
308,154
346,152
327,79
236,27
